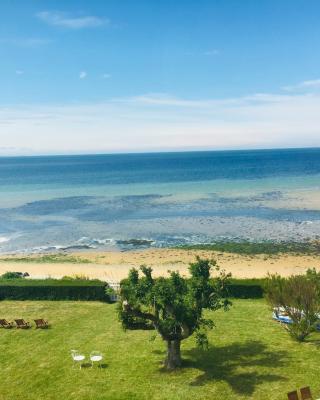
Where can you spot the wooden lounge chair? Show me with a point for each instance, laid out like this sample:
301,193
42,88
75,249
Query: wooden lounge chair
293,395
22,324
5,324
41,323
306,394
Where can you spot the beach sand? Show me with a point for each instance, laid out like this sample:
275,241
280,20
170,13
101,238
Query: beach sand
114,266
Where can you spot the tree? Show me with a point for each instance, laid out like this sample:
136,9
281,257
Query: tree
173,306
299,297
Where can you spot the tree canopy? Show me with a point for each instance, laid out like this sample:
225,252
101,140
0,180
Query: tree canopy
173,306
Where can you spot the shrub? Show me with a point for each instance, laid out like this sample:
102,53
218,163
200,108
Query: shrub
314,276
53,289
299,297
76,277
244,289
14,275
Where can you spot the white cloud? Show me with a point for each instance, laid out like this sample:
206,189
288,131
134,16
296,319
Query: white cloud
305,85
19,72
212,52
71,22
83,75
164,122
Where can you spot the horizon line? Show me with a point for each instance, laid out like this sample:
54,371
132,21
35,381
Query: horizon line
168,151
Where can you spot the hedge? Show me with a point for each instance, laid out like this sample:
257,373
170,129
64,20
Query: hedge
29,289
246,288
67,289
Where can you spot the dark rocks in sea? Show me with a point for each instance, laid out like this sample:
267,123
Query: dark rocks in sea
135,242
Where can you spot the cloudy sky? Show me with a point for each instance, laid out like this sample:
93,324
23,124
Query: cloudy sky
150,75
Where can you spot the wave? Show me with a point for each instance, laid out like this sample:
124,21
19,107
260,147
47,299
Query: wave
96,241
51,249
87,243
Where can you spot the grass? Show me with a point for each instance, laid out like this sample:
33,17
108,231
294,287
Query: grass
47,258
254,248
251,357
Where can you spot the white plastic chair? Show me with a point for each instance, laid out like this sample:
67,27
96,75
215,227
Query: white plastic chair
96,357
77,357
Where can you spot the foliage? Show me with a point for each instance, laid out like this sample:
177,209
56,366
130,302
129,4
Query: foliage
246,288
111,294
51,282
76,277
314,276
173,306
53,289
47,258
253,248
299,297
14,275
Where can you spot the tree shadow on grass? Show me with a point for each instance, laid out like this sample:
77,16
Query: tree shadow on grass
223,363
89,365
315,341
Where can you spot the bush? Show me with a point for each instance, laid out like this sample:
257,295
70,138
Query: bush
14,275
299,297
314,276
75,288
53,289
245,290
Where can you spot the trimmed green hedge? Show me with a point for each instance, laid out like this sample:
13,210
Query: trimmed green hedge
51,289
51,282
76,289
246,288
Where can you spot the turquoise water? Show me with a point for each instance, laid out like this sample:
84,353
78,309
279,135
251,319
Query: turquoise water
104,201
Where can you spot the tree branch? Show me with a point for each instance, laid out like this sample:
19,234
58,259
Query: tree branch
185,331
138,313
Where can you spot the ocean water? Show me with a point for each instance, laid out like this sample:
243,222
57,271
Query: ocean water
158,199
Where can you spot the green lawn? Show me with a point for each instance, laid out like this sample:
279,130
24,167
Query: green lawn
251,357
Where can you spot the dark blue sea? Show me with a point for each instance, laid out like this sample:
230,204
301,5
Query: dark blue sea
124,201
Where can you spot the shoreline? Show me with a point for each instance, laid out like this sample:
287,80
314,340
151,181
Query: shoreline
114,265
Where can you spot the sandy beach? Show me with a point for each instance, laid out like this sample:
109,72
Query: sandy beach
114,266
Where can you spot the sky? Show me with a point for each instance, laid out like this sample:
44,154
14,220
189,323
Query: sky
158,75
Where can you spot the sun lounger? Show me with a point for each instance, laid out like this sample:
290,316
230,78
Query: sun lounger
280,316
22,324
293,395
306,394
5,324
41,323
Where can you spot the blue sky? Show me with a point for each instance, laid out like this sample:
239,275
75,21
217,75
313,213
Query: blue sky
158,75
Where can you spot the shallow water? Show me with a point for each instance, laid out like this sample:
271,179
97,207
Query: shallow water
104,201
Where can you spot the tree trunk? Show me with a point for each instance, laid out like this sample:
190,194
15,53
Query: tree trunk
173,359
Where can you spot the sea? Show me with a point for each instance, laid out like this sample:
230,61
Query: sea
132,201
